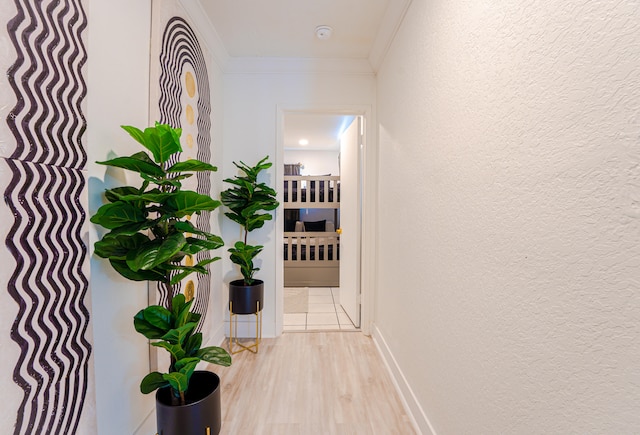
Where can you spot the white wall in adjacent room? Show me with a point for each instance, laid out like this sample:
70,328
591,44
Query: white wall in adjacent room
509,217
314,162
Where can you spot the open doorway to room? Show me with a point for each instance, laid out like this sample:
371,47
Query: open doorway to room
321,222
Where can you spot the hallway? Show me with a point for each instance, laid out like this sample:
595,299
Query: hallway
314,383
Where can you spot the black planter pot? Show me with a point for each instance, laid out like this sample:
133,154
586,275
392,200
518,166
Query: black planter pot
244,298
202,410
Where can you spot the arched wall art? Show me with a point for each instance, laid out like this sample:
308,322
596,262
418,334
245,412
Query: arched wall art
183,100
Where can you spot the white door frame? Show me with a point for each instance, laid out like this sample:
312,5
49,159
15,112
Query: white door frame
368,259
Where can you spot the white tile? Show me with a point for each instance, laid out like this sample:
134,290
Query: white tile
322,308
336,295
294,328
319,291
320,299
294,319
322,319
348,327
344,319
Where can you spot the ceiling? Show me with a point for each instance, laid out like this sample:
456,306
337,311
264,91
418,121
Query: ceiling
361,30
286,28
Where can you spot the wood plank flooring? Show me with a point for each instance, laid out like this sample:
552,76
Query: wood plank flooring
311,383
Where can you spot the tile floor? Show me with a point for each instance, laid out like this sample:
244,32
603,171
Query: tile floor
324,313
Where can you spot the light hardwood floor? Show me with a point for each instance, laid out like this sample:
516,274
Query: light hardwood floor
311,383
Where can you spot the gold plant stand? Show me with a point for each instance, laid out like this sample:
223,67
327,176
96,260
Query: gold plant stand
233,327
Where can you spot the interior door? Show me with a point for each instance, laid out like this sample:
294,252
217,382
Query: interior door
350,217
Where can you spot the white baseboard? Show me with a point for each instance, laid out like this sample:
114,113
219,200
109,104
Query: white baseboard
417,415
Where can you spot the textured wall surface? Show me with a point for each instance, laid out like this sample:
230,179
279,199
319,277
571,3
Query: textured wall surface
510,214
45,339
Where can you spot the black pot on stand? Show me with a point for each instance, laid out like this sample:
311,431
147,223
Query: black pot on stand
201,415
245,299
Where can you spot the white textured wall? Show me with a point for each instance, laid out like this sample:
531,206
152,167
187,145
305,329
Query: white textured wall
509,254
118,95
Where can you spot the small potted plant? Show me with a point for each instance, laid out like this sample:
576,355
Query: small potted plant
149,237
249,202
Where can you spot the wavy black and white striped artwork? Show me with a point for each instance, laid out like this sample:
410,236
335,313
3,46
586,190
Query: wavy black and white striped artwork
184,102
42,169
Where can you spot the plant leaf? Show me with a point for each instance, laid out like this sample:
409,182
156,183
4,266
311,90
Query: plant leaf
187,202
117,246
191,165
152,382
138,162
215,355
144,327
177,380
175,350
141,275
178,335
115,214
193,343
150,255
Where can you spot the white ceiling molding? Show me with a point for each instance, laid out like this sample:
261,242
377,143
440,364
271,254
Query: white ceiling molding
283,65
391,21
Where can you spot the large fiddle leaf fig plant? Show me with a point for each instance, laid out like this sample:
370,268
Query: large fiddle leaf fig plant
248,200
150,235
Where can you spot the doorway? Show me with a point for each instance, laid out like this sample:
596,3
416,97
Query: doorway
321,163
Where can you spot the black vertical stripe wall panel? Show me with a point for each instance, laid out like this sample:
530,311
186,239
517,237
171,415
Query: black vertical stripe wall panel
47,198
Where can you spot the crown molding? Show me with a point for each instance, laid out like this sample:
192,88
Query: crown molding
393,17
297,65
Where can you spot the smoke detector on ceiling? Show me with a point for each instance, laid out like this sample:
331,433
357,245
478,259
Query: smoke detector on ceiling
323,32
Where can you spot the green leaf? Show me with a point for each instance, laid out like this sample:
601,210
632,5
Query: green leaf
191,165
152,382
150,255
161,140
117,246
134,132
171,182
138,162
177,380
206,244
148,329
175,350
114,194
188,227
147,197
116,214
187,202
187,365
178,335
141,275
179,304
215,355
131,229
193,343
183,315
158,316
